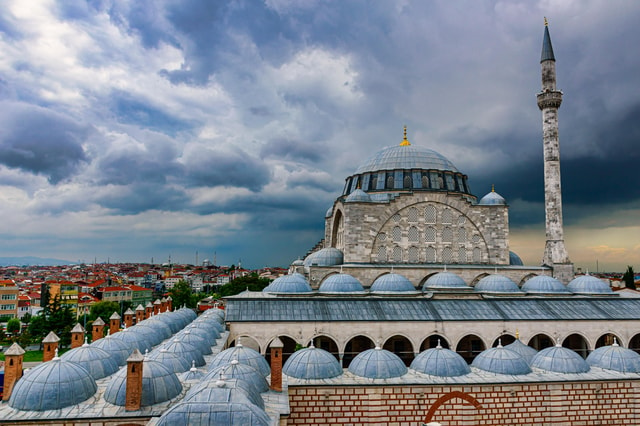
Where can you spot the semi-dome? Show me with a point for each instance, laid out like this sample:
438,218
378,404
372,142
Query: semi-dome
615,357
501,360
496,283
293,283
52,385
312,364
225,390
527,352
214,414
515,260
236,370
244,355
98,362
492,199
444,281
159,384
117,348
377,363
341,283
441,362
544,284
358,196
328,256
392,283
560,360
588,284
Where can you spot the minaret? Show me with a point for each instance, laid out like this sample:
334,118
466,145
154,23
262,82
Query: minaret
549,100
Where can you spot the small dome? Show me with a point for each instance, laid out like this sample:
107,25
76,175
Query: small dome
117,348
544,284
185,350
209,334
152,335
497,283
377,363
196,340
492,199
616,358
588,284
341,283
174,362
501,360
159,384
514,259
244,355
98,362
293,283
225,390
297,262
192,375
162,329
208,322
312,364
560,360
440,362
392,283
329,212
134,339
444,281
328,256
358,196
52,385
214,414
527,352
236,370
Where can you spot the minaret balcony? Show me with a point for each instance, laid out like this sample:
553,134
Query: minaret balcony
549,99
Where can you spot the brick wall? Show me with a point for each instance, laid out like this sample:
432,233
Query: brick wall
570,404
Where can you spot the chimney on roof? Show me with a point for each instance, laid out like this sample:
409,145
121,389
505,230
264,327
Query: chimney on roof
12,368
128,318
114,323
169,303
156,307
50,346
77,336
148,310
133,393
163,305
276,364
139,313
97,329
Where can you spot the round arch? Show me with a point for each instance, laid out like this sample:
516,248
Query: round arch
401,346
337,228
607,340
354,346
526,278
540,341
289,347
425,278
578,343
470,346
634,343
478,278
504,339
327,343
432,342
247,341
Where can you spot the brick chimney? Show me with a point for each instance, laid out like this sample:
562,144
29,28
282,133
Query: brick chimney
97,329
12,368
133,395
50,346
139,313
114,323
163,305
156,307
77,336
276,364
148,310
128,318
169,303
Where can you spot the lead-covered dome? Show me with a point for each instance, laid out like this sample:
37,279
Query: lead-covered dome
328,256
492,199
341,283
358,196
214,414
544,284
312,364
588,284
236,370
527,352
293,283
444,281
440,362
377,363
497,283
159,384
501,360
406,157
560,360
392,283
98,362
244,355
615,357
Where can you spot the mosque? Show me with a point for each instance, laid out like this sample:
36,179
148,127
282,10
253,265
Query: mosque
413,312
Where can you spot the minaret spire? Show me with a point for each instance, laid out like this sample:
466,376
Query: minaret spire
549,100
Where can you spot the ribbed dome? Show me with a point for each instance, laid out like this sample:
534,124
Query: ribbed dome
236,370
52,385
214,414
162,329
174,362
329,256
616,358
244,355
98,362
293,283
514,259
406,157
444,281
186,351
527,352
159,384
213,321
492,199
441,362
545,285
341,283
377,363
209,334
194,339
497,283
224,390
133,339
152,335
358,196
588,284
501,361
392,283
312,364
560,360
117,348
191,375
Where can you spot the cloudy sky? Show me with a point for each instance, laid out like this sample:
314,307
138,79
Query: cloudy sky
139,129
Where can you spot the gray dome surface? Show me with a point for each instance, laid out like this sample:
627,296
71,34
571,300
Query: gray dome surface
501,361
185,350
209,390
377,363
162,329
312,363
171,360
152,335
358,196
514,259
496,283
214,414
560,360
293,283
52,385
211,322
98,362
208,333
192,375
444,280
544,284
244,355
236,370
196,340
134,339
159,384
527,352
341,283
118,349
392,283
328,256
440,362
406,157
588,284
615,357
492,199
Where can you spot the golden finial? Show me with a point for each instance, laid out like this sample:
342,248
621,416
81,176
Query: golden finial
493,188
546,23
405,141
517,334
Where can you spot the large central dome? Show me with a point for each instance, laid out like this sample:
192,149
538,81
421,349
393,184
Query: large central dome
406,157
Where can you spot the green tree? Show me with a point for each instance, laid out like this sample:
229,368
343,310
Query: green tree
238,285
629,278
182,294
55,317
13,326
103,310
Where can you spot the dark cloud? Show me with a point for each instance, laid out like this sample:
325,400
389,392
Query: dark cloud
295,150
41,141
140,197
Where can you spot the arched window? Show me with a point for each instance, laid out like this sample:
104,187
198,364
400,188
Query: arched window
447,255
447,235
430,235
407,183
462,255
390,182
462,235
397,234
477,255
447,217
425,182
412,215
396,218
414,254
430,214
382,254
397,254
430,255
413,234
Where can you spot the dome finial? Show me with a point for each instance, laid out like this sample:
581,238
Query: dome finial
493,187
439,346
546,23
517,334
405,141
